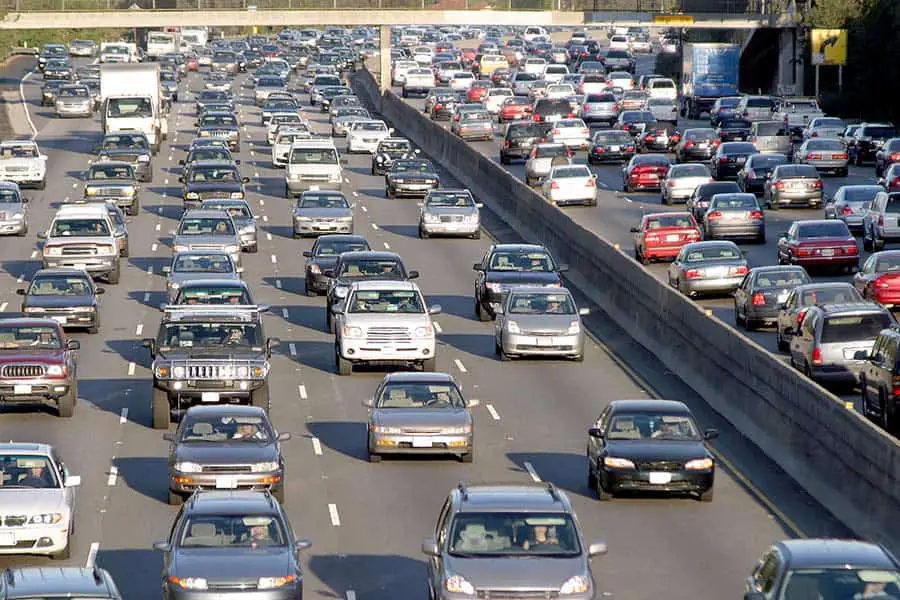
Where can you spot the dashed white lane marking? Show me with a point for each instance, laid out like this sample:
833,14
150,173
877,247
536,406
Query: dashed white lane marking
301,389
269,236
534,476
131,368
159,210
460,366
335,517
170,158
113,476
364,209
356,194
123,418
292,348
351,595
627,199
166,181
3,306
34,253
437,327
278,283
387,246
92,555
158,227
154,246
374,226
317,446
139,330
274,259
601,184
284,313
146,296
265,218
494,414
256,175
150,270
74,185
262,202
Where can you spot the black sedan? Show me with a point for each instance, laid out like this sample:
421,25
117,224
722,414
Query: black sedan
324,256
209,180
730,158
130,147
649,446
68,296
611,145
389,150
752,176
505,266
411,177
763,293
733,130
206,97
221,125
654,139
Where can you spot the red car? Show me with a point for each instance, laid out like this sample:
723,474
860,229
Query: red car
879,278
192,63
819,243
891,179
516,108
478,90
468,56
661,235
645,172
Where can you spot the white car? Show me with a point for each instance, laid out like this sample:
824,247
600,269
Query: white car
494,99
423,55
824,127
662,87
462,81
560,90
401,67
682,180
280,119
284,138
535,66
21,162
622,79
418,81
364,136
446,70
571,184
641,44
574,133
619,42
555,73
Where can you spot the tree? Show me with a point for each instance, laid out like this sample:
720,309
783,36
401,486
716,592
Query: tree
836,14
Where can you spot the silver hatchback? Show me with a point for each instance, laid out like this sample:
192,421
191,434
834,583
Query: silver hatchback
539,321
600,108
322,211
450,212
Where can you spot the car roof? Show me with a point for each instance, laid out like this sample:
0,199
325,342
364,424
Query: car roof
813,221
513,497
57,582
852,307
199,213
649,405
416,377
778,269
539,289
213,162
382,284
231,502
371,254
657,215
201,253
818,553
244,410
26,447
336,193
218,113
74,210
62,271
341,237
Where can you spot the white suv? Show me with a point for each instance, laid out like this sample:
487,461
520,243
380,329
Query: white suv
384,322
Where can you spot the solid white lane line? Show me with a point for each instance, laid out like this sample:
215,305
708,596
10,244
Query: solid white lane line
534,476
274,259
460,366
494,414
140,329
113,476
302,390
317,446
154,246
335,517
131,368
278,283
146,296
269,236
123,418
92,555
374,226
34,131
34,253
284,313
387,246
437,327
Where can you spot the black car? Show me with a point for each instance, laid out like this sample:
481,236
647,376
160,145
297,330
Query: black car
60,582
226,62
329,93
611,145
411,177
764,291
752,176
730,158
504,266
444,105
359,265
734,130
207,153
68,296
324,257
699,200
389,150
636,122
231,540
548,110
212,179
58,69
207,97
51,52
886,156
654,139
649,446
221,125
520,138
868,139
49,91
131,147
235,447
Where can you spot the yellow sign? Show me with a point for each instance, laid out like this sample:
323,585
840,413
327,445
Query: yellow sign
673,20
829,46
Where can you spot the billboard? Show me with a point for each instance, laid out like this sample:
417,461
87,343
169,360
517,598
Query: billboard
829,46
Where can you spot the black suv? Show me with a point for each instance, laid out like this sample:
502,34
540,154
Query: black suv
225,542
59,582
520,138
879,380
867,140
211,180
504,266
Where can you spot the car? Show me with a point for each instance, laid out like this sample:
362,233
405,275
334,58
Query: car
752,176
681,181
504,266
265,85
13,213
234,292
284,140
887,155
880,221
824,154
570,184
68,296
444,105
793,309
660,236
645,172
451,212
850,204
217,81
50,90
235,539
225,447
222,125
345,118
790,185
389,150
21,162
877,380
198,265
322,211
543,158
761,295
205,97
329,93
323,257
74,100
833,341
520,138
729,158
636,122
277,104
731,216
61,582
475,549
708,267
207,230
473,125
403,401
891,178
650,446
345,101
818,243
879,278
129,147
83,236
243,218
364,136
286,119
867,140
697,144
411,177
211,180
611,145
771,137
573,133
539,321
823,127
113,181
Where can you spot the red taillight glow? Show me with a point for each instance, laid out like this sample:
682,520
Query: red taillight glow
813,156
895,386
692,274
800,316
895,156
759,299
817,356
671,183
723,160
756,214
714,215
554,185
437,107
846,211
779,185
689,144
818,184
882,283
815,134
842,156
742,270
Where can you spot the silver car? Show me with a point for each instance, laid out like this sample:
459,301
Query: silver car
794,307
193,265
735,215
38,501
207,230
824,155
681,181
322,211
709,267
473,125
74,100
664,109
364,136
571,184
13,212
266,86
544,157
345,118
536,320
850,203
823,127
450,212
602,107
243,218
420,413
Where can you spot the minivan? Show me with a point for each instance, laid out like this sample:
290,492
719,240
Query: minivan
312,164
771,137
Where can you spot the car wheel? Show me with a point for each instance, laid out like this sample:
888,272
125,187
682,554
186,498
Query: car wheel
159,407
780,341
867,242
65,406
95,328
480,312
468,457
423,235
864,398
113,277
343,366
374,457
591,479
175,499
877,244
707,496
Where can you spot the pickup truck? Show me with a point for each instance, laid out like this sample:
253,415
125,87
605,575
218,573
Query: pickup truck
21,162
796,113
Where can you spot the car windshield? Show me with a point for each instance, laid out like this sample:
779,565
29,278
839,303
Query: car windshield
192,263
534,262
652,426
353,111
737,148
100,172
224,428
37,337
879,132
218,121
395,147
59,285
22,151
337,247
313,200
218,531
74,92
892,205
285,118
682,220
823,230
781,279
236,210
447,199
889,263
125,142
734,202
854,327
27,471
10,196
842,582
206,226
832,145
208,334
304,156
369,126
829,295
541,304
270,82
798,172
420,394
763,161
690,171
386,301
200,174
371,268
514,534
276,104
213,294
613,137
713,252
79,228
829,122
411,167
129,107
735,124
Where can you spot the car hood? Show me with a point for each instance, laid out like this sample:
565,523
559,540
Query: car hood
318,213
28,355
204,240
32,501
19,162
213,352
651,450
413,175
521,277
12,207
58,301
234,453
233,564
214,186
324,262
426,418
516,572
543,322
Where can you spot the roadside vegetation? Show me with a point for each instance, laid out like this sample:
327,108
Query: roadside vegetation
24,40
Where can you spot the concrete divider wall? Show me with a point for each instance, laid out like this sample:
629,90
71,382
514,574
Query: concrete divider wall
841,459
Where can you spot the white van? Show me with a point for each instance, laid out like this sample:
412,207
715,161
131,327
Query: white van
533,32
312,164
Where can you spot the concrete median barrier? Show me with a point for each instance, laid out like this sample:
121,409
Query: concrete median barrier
850,466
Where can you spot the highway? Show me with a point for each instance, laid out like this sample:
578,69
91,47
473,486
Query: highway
367,521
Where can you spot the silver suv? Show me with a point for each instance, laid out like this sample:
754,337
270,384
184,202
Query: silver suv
881,222
484,532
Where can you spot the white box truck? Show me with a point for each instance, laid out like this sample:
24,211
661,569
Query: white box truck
160,43
131,98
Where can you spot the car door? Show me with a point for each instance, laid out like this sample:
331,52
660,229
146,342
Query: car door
803,341
786,314
595,445
871,375
744,291
481,274
864,276
674,270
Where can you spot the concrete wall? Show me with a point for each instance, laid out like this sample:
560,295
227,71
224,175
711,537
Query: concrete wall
842,460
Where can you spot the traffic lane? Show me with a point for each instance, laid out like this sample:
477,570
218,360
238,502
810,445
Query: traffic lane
31,83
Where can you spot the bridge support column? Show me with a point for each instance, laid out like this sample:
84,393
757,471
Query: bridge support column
384,48
789,79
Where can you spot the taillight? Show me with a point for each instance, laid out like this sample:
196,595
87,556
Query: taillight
881,220
554,185
842,156
815,134
556,132
895,386
586,107
846,211
692,274
716,142
812,156
689,144
742,270
895,156
723,160
882,283
590,182
438,107
801,315
714,215
851,249
817,356
759,299
895,181
650,137
616,106
456,117
756,214
751,174
537,117
818,184
671,183
695,235
779,185
651,238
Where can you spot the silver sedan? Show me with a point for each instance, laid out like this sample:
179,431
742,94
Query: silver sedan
243,218
715,267
824,155
681,181
736,215
450,212
195,265
539,321
322,211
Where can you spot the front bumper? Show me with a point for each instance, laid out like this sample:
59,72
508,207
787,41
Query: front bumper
713,285
14,391
616,480
640,183
387,443
188,483
568,344
298,186
322,227
411,189
31,539
95,265
657,252
476,133
75,111
451,228
13,226
191,391
249,239
67,318
359,350
294,592
359,145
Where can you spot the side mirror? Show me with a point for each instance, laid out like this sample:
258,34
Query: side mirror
473,403
284,436
430,547
181,180
880,181
307,254
26,200
181,163
710,434
272,343
434,310
412,275
237,161
100,291
239,270
167,269
245,180
149,344
597,548
584,311
42,235
861,355
595,432
477,267
169,436
161,546
73,345
302,545
635,230
20,291
369,403
73,481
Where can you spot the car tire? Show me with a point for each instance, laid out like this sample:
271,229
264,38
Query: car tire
42,185
864,397
476,235
761,239
423,235
480,312
278,494
877,244
504,159
781,342
253,249
114,276
373,170
175,498
374,457
95,328
602,494
429,365
160,410
65,406
591,479
260,397
867,242
706,496
343,366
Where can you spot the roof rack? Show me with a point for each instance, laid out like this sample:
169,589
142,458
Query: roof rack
242,312
97,573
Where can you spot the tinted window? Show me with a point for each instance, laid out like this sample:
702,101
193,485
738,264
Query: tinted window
768,160
760,103
738,148
861,194
770,129
713,252
852,328
893,204
484,533
797,172
828,229
781,279
878,132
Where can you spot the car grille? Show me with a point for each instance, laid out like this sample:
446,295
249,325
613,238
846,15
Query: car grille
220,133
15,520
116,192
452,218
23,371
79,250
387,334
517,594
226,468
127,157
659,465
370,141
544,333
16,169
215,194
204,371
73,104
206,247
422,430
315,177
232,585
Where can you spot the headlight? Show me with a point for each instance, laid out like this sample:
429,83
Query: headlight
53,251
189,583
352,332
341,291
162,372
334,177
34,309
557,284
574,327
242,372
513,327
259,372
144,158
129,191
457,584
380,158
237,195
178,372
302,219
192,196
264,467
231,248
90,191
432,218
268,583
174,284
188,467
45,519
315,269
56,370
473,218
105,250
495,287
398,181
204,134
18,216
387,430
457,430
618,463
699,464
84,309
579,584
427,331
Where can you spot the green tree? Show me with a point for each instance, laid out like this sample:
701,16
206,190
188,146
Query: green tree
836,14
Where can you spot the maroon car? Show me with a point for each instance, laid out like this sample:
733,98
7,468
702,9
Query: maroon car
645,172
819,243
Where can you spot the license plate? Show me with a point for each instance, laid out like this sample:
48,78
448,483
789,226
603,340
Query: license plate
741,160
209,397
615,148
660,478
421,442
226,483
652,176
717,272
325,227
542,341
7,539
673,238
828,252
21,389
60,320
81,266
703,146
